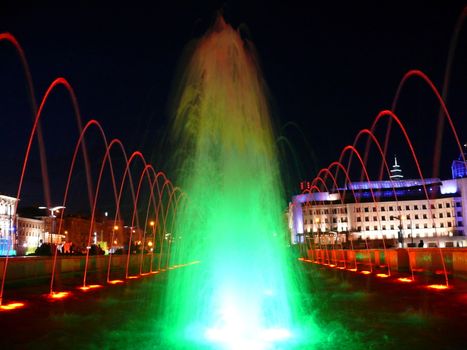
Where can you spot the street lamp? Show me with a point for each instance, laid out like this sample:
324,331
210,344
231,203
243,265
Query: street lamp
52,216
400,236
153,225
319,232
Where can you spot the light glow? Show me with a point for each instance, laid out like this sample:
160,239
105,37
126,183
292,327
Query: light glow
59,295
91,286
11,306
437,286
115,281
404,279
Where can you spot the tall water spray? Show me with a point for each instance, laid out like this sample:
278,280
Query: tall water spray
242,295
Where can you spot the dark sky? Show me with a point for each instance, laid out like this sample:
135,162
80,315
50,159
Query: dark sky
329,69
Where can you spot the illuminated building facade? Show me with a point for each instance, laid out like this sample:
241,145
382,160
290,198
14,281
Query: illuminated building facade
7,225
400,212
30,235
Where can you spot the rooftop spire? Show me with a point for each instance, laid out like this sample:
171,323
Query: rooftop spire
396,171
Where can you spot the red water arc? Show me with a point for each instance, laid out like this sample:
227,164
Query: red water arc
417,73
91,123
32,98
93,194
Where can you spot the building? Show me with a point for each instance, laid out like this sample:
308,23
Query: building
30,235
7,225
404,211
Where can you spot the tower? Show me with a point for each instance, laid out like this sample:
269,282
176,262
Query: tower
396,171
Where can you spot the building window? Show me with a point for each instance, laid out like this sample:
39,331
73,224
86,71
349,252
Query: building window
367,228
366,209
448,205
432,206
440,205
384,227
458,204
416,216
415,207
359,228
359,219
399,208
375,228
460,224
383,209
417,226
375,218
391,208
407,207
424,206
425,216
392,227
442,225
425,225
448,214
383,218
440,215
459,214
367,218
449,224
374,209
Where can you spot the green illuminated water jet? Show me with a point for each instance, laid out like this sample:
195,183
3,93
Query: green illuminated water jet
244,293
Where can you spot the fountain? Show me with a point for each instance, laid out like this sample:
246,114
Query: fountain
241,295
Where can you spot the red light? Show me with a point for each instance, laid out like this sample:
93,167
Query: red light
91,286
11,306
404,279
58,295
438,286
115,282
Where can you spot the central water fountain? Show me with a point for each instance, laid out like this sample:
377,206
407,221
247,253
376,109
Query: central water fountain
244,292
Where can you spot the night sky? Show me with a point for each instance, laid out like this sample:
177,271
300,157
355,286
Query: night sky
329,70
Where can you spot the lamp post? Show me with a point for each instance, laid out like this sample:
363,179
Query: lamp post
319,232
400,236
153,225
52,216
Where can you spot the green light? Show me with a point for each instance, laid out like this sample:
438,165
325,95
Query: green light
244,293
